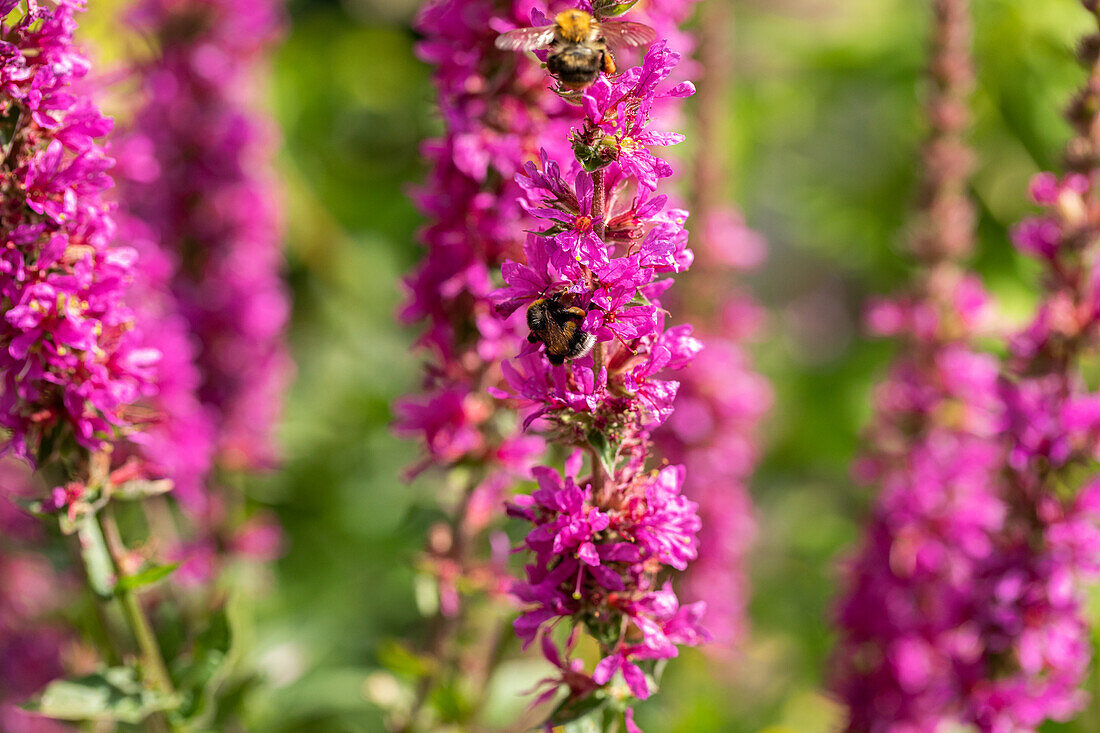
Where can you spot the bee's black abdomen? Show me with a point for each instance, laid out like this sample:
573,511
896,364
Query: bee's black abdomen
575,65
559,329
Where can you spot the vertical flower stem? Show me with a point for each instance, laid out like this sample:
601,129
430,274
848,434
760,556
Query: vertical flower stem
152,660
598,202
599,211
601,487
944,231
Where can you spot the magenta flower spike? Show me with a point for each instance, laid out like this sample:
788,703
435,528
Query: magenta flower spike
200,186
505,167
602,545
965,605
71,358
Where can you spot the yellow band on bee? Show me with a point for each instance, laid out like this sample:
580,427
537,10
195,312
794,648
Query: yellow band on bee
574,25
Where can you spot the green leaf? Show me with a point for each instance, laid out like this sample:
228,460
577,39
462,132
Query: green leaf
573,711
97,561
639,299
148,576
141,489
611,8
207,666
605,449
114,694
398,658
592,157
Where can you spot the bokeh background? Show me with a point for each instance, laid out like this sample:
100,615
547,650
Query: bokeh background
822,128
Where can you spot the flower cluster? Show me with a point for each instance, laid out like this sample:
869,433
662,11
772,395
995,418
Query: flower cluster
606,246
198,202
197,141
70,357
1033,626
965,605
498,114
597,566
911,643
601,550
178,440
495,112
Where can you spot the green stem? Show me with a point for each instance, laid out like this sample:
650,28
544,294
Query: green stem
601,486
152,660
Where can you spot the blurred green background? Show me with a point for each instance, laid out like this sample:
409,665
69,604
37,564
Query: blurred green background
823,130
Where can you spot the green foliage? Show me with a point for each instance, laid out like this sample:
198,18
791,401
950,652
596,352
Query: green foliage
611,8
98,565
605,448
146,576
574,713
204,667
114,694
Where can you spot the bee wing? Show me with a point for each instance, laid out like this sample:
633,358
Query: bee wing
627,33
555,337
526,39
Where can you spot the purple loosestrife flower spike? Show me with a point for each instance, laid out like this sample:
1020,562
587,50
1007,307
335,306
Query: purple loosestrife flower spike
212,204
602,546
178,443
199,200
966,605
71,359
908,635
498,113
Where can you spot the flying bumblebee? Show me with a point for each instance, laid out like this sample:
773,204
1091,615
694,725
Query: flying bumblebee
559,328
579,45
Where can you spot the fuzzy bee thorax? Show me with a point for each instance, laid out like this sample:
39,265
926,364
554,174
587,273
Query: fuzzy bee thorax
574,25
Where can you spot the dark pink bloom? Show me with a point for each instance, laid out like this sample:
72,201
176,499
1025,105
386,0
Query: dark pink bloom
70,354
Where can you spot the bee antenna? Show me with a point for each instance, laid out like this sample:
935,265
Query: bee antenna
543,293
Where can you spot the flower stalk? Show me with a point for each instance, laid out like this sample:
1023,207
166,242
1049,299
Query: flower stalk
602,548
989,507
152,660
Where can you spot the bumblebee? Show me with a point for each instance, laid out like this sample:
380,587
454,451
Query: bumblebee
559,328
579,45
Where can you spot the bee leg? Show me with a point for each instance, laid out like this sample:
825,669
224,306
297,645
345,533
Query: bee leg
578,312
532,338
609,63
555,359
